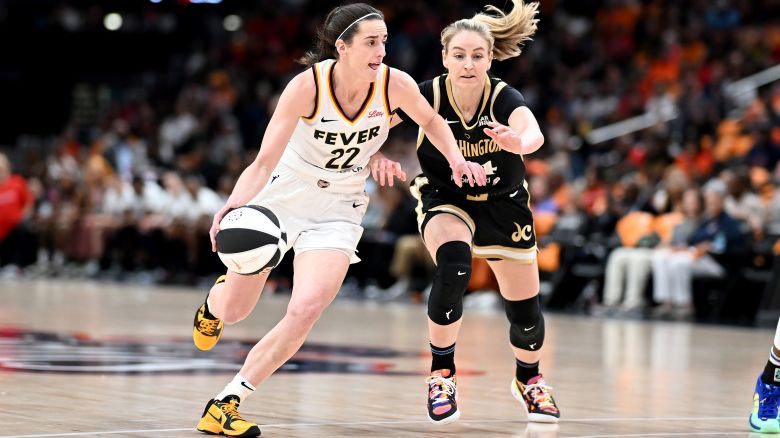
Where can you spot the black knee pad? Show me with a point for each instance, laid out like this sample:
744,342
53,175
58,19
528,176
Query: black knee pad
453,271
526,323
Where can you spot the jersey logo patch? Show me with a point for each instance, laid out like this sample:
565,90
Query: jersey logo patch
523,233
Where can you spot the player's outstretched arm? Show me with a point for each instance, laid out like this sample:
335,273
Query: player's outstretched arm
522,136
405,94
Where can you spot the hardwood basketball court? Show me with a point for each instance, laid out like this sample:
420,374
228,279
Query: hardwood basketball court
100,359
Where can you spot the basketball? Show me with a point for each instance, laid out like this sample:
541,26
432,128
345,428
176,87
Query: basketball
251,239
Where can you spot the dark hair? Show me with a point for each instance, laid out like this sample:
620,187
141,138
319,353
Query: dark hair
335,24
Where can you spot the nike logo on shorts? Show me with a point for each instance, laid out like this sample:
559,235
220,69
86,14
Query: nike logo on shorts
354,205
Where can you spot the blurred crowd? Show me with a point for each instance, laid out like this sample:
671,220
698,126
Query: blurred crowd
127,187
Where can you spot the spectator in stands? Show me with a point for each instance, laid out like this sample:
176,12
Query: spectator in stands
17,244
714,245
628,268
741,203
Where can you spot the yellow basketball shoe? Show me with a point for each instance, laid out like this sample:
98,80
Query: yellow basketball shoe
222,418
207,329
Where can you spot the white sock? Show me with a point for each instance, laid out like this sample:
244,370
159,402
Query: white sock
239,386
208,304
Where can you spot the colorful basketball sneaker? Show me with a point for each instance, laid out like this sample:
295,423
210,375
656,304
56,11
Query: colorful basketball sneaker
442,397
222,418
207,330
764,418
537,399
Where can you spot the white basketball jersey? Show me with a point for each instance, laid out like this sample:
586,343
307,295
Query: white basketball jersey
331,146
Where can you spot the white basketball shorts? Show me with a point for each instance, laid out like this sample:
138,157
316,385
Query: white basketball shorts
316,213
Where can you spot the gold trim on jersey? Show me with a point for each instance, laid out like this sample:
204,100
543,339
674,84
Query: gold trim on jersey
521,255
414,189
337,106
436,93
525,186
317,94
482,197
436,103
478,114
500,86
455,211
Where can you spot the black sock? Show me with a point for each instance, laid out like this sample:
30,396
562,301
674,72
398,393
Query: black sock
526,371
771,374
443,358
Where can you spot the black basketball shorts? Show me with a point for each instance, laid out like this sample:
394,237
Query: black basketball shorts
501,226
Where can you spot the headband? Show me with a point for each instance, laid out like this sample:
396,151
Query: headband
353,23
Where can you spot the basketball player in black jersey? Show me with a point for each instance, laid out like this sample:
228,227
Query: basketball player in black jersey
495,128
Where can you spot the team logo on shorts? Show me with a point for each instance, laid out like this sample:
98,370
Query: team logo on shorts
522,233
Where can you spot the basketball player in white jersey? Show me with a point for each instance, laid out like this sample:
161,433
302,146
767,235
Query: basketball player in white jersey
766,397
311,171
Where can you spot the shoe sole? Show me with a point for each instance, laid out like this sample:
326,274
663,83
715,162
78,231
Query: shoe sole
248,434
451,419
536,418
757,429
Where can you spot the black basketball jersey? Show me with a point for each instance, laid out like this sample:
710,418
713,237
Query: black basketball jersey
505,170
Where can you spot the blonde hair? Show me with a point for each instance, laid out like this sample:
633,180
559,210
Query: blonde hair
504,32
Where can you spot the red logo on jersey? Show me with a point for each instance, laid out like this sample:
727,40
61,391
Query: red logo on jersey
375,113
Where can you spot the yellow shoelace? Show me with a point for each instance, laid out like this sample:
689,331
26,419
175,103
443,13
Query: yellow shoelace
231,410
208,326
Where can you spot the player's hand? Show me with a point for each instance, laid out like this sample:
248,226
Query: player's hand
505,137
474,172
384,170
215,225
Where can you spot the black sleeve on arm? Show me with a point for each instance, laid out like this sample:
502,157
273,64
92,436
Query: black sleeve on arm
426,89
508,100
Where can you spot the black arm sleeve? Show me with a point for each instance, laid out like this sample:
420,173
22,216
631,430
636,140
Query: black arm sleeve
507,101
426,89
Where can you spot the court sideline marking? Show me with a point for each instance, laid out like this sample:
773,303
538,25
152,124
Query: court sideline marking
369,423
